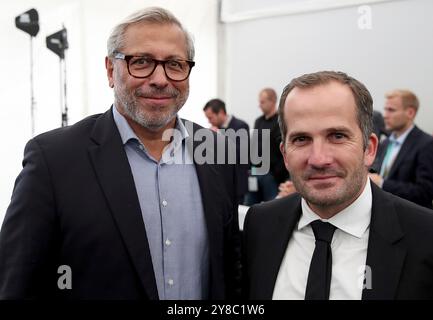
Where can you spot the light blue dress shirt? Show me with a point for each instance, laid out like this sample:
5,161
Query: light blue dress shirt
394,146
172,210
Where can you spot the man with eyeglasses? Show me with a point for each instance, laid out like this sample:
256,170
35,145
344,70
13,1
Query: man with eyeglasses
102,211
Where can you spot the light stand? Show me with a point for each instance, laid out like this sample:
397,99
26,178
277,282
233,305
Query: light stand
58,43
29,23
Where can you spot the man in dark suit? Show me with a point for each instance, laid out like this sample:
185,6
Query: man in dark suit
216,113
404,163
103,209
340,237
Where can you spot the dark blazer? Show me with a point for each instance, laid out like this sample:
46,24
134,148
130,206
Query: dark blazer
242,169
75,203
411,175
400,246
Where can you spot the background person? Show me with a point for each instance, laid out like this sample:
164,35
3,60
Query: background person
404,163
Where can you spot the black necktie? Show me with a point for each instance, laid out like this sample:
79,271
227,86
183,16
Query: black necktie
319,276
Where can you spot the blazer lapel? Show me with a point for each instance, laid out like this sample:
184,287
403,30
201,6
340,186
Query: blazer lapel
214,201
114,173
386,252
409,143
281,232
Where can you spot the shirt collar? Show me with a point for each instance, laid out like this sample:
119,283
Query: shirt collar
354,220
126,132
401,138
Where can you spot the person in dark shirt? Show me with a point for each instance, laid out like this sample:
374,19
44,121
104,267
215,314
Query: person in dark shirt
265,187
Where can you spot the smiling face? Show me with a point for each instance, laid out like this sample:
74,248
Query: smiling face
152,102
323,150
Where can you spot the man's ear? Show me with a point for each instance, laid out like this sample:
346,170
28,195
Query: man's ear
109,66
411,112
283,152
370,150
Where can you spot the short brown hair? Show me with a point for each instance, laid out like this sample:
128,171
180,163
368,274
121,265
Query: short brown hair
408,98
363,99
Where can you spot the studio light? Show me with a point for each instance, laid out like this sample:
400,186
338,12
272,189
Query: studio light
29,23
58,43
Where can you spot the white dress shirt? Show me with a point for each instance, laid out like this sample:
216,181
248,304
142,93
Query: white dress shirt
349,252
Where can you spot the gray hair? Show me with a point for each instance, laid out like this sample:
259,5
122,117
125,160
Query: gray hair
148,15
363,99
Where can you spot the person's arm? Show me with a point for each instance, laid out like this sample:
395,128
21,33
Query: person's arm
27,237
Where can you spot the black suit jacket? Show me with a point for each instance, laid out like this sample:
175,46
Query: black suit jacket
242,169
75,203
400,246
411,174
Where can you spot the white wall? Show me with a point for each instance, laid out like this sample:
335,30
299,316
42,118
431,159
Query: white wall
88,23
397,52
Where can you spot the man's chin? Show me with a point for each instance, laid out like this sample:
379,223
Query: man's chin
156,124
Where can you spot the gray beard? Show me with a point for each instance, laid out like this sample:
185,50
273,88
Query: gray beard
130,108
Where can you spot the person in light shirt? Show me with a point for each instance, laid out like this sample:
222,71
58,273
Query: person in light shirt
107,200
404,162
340,236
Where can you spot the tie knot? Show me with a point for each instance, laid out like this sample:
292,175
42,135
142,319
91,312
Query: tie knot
323,231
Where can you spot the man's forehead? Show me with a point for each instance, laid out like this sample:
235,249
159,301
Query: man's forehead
331,87
154,39
394,101
321,98
321,109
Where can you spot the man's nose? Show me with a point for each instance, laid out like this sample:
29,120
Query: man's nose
158,77
320,154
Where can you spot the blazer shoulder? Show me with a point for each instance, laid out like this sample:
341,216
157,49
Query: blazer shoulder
420,137
274,209
237,124
70,133
412,215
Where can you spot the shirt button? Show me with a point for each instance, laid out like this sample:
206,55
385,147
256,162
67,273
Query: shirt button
141,147
164,203
170,282
167,242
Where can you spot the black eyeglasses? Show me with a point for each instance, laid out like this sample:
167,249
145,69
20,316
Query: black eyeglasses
143,67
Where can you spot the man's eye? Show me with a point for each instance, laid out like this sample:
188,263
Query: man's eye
141,61
338,136
174,64
299,140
